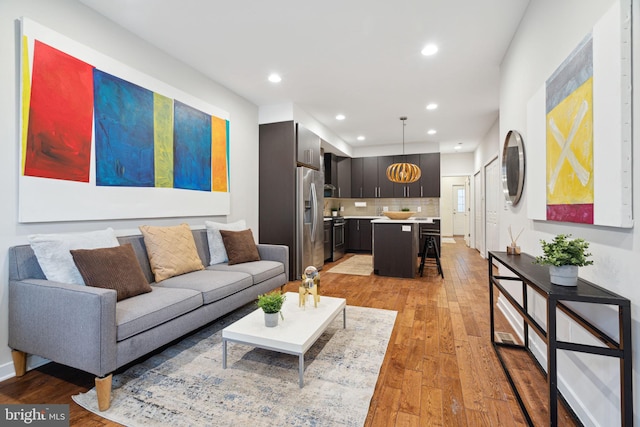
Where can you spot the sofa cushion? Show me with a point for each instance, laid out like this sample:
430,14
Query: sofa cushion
214,285
146,311
52,252
259,270
112,268
217,251
240,246
171,250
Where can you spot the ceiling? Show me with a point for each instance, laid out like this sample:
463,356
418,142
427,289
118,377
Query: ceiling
360,58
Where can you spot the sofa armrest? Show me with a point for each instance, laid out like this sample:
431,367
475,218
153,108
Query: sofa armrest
70,324
275,253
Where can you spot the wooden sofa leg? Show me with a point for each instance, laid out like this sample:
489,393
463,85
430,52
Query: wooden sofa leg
103,390
19,362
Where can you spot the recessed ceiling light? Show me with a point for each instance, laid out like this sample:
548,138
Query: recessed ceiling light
361,138
275,78
432,132
429,49
432,106
458,147
340,117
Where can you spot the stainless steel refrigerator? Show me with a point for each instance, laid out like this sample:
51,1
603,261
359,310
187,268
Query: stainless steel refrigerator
309,219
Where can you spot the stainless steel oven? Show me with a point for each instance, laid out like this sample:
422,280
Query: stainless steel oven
339,241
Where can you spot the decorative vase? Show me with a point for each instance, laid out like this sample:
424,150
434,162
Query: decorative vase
564,275
271,319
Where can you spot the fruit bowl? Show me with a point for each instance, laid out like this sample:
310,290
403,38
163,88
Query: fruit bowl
398,214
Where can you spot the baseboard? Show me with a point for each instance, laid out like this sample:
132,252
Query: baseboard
33,362
540,353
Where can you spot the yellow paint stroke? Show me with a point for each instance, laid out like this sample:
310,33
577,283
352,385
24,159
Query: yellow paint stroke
219,155
163,140
570,148
26,98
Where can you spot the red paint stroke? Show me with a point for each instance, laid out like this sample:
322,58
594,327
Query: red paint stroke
60,116
580,213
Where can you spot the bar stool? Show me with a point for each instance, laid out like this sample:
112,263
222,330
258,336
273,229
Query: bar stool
430,245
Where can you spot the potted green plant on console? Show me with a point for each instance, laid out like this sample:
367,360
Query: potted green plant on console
271,304
564,256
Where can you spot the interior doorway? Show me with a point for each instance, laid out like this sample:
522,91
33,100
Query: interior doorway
492,187
459,198
455,196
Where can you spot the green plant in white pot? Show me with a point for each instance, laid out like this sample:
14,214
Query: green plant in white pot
271,304
563,256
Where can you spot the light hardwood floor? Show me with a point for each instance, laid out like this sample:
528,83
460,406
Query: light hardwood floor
440,368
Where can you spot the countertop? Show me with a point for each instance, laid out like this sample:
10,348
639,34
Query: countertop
412,220
383,219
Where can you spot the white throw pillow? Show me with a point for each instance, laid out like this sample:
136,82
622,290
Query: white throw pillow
216,245
54,256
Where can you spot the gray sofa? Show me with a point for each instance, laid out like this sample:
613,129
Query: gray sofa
85,328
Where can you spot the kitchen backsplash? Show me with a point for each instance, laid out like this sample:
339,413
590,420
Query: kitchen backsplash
429,207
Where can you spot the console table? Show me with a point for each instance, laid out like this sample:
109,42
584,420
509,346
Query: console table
536,277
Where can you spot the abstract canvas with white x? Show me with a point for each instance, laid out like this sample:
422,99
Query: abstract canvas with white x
579,130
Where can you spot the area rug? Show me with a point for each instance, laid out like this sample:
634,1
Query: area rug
360,265
186,386
448,240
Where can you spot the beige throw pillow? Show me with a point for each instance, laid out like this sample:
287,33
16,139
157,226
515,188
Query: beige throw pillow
171,250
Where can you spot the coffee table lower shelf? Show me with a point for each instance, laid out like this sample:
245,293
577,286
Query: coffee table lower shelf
295,335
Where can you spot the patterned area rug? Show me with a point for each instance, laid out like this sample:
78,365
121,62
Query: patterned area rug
360,265
186,386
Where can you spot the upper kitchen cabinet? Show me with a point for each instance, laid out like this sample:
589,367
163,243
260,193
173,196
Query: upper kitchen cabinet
368,177
337,172
430,179
308,147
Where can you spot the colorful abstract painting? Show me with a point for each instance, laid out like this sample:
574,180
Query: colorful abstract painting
60,110
569,146
102,141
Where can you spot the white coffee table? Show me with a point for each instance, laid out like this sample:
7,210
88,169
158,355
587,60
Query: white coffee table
295,335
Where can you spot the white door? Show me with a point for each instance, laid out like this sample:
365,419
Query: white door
459,198
478,198
492,187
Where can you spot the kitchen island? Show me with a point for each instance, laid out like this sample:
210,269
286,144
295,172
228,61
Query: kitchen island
396,244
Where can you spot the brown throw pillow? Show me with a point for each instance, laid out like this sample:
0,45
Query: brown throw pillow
112,268
240,246
172,250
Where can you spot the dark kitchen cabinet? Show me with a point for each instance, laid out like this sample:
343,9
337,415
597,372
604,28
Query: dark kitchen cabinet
344,177
337,172
359,235
368,177
430,179
277,186
327,240
308,147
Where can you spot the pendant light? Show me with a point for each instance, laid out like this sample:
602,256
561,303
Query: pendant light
403,173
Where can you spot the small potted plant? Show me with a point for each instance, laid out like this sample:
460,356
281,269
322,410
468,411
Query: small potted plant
564,256
334,211
271,304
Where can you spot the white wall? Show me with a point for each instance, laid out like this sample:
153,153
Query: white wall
547,34
82,24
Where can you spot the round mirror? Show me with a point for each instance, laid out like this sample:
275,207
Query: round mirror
513,161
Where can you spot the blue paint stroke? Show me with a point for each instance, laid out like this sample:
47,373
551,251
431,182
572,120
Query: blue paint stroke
123,132
191,149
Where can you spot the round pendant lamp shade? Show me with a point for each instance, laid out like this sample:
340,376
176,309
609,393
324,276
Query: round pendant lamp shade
403,173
